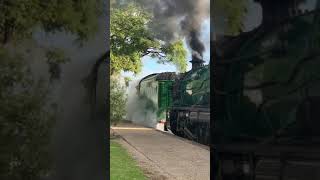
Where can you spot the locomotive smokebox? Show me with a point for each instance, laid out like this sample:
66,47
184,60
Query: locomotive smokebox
197,60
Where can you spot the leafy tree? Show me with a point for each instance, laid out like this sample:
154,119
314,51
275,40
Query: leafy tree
26,115
127,81
176,53
25,121
117,101
18,19
55,57
234,11
131,39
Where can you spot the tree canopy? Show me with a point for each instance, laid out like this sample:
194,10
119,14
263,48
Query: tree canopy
18,19
131,39
233,11
26,111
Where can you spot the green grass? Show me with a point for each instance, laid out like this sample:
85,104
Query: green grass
122,165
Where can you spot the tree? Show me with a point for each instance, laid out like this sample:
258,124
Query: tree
26,114
117,102
25,120
127,81
18,19
234,11
131,39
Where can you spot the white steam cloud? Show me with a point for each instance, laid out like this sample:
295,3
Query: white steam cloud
137,110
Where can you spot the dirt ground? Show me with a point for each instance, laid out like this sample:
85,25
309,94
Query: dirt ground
163,156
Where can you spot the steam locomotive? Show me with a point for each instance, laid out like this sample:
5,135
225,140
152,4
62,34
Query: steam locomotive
181,101
266,101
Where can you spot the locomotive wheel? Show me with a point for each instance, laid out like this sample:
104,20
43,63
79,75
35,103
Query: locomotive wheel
202,134
173,126
173,122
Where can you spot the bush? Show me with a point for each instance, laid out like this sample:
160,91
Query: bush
25,122
118,100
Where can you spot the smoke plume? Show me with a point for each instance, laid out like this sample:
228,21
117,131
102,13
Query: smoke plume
178,19
137,110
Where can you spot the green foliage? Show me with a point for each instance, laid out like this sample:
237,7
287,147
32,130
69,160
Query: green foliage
177,54
19,18
131,39
25,122
55,57
117,101
127,81
234,11
26,115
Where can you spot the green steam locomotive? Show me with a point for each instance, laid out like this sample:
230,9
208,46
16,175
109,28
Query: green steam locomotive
266,96
181,101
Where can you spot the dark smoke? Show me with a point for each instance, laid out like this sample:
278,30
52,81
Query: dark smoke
195,43
178,19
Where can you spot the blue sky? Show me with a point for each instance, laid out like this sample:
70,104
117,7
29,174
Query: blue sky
151,66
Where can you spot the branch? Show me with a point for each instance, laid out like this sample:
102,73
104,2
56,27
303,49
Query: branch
151,51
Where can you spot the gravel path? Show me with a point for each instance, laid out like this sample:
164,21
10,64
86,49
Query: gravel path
163,156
